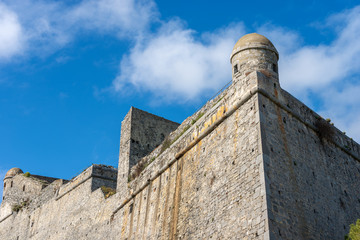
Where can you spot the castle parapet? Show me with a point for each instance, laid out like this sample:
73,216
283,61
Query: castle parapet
141,133
95,176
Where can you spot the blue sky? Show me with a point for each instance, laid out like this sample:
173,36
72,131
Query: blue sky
69,71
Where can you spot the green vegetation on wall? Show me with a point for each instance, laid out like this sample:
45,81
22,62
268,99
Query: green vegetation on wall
18,207
108,191
354,233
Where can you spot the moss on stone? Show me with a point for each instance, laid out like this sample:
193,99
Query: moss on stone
108,191
18,207
197,118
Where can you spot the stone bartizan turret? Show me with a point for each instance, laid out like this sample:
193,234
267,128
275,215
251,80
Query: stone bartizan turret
254,52
8,179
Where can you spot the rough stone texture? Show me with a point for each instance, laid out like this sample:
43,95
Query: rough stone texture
97,175
32,191
319,184
253,163
257,55
141,132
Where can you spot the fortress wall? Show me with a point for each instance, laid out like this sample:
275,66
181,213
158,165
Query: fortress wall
311,180
46,194
99,182
22,188
47,221
258,166
77,213
73,215
214,186
34,195
105,172
124,154
15,227
141,133
252,163
103,176
73,183
98,175
80,214
147,132
220,182
192,127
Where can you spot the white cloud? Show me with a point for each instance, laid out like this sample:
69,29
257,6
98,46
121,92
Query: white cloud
50,25
286,41
10,33
313,67
43,26
122,17
331,71
342,105
176,65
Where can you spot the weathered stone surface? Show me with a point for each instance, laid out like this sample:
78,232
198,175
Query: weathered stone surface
141,133
253,163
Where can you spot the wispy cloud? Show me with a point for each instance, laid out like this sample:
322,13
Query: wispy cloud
124,17
331,71
11,39
342,105
42,27
315,66
175,64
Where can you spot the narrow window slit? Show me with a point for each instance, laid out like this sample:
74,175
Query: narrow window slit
236,69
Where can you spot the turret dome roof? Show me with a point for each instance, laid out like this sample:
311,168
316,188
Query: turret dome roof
253,40
12,172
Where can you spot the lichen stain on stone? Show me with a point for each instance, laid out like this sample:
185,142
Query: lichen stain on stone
188,179
166,205
276,93
148,199
236,131
177,196
157,183
219,114
125,221
300,211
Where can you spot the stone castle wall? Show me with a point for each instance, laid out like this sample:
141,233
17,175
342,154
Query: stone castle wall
194,195
141,132
253,163
316,196
194,192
